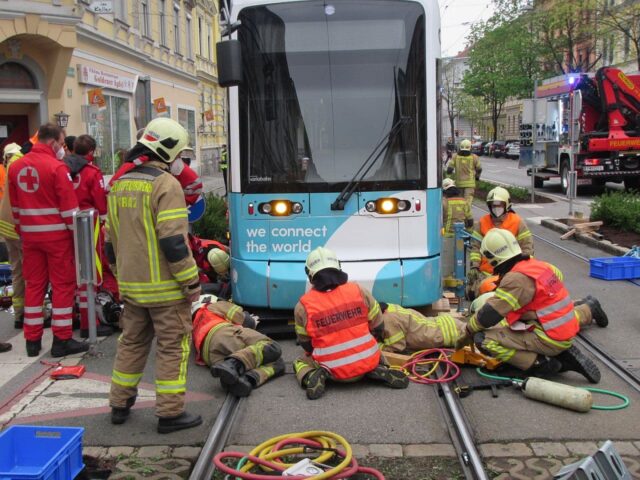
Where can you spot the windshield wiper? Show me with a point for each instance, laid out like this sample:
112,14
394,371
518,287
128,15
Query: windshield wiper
342,199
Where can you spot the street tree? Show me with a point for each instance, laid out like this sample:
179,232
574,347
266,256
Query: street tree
623,19
471,108
451,89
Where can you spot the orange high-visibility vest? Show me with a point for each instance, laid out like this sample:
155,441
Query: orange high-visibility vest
551,303
511,223
338,325
205,320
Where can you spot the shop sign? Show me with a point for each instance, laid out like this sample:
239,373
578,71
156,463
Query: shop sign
96,98
101,78
101,6
159,105
208,115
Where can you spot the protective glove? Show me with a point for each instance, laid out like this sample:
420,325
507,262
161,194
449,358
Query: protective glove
465,339
449,170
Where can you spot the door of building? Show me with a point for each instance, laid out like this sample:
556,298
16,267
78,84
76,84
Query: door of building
13,129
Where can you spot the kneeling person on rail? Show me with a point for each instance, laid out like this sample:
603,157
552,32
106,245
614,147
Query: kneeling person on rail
337,323
540,315
407,329
226,341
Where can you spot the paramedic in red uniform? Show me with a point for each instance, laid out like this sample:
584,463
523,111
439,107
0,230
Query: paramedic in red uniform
43,204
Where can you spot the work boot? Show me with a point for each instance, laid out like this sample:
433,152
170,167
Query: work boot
271,352
314,382
61,348
119,415
101,331
597,312
18,323
181,422
34,347
573,360
228,371
544,366
391,378
47,323
241,388
5,347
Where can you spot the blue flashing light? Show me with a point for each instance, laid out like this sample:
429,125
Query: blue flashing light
572,80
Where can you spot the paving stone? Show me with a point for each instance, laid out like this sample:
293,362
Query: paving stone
153,451
582,448
116,452
623,448
505,450
189,453
429,450
637,444
95,452
239,448
385,450
360,451
139,476
549,449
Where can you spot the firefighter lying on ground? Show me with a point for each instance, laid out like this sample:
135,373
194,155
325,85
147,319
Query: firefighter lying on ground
226,341
408,330
501,215
337,323
540,316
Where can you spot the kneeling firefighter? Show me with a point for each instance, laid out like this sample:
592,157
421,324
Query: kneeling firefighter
541,318
226,340
337,323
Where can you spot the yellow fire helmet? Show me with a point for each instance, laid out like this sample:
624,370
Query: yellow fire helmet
447,183
498,246
499,194
165,137
319,259
219,260
465,145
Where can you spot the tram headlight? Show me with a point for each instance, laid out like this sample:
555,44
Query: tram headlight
280,208
387,205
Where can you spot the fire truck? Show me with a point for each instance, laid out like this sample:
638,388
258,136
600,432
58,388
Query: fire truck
588,130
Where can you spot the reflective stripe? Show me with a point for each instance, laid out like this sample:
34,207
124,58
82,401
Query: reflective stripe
54,227
167,297
524,234
369,352
83,305
374,312
15,209
154,286
33,321
172,214
126,379
556,343
342,346
507,297
232,311
152,241
187,274
61,322
554,307
38,211
69,213
62,311
474,325
300,330
33,309
558,322
393,339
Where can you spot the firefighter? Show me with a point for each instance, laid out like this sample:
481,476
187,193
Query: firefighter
454,209
43,204
501,215
223,166
147,248
88,185
226,341
466,168
542,321
407,329
337,323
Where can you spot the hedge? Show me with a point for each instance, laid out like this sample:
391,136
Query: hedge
213,225
618,209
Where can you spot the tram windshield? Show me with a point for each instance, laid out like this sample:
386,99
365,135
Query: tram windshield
324,84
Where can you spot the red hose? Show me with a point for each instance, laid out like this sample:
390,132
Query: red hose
452,371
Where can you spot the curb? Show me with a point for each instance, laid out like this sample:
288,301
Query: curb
604,245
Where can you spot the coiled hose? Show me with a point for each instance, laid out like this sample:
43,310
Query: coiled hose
268,456
435,357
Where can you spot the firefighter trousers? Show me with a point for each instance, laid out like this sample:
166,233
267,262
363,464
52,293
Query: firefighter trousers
14,249
243,344
305,364
468,193
172,327
521,348
407,329
44,263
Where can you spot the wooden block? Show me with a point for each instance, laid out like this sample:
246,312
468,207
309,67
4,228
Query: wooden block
441,305
395,359
449,295
570,233
596,235
594,225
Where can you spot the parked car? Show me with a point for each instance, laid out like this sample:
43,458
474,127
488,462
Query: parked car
477,148
487,149
499,148
513,150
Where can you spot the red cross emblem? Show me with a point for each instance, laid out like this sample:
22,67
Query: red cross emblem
76,181
28,179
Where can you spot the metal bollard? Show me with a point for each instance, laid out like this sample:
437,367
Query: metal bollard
85,254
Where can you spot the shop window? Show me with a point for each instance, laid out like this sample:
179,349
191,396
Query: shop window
111,129
14,75
187,118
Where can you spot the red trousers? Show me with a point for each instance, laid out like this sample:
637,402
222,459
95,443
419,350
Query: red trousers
44,263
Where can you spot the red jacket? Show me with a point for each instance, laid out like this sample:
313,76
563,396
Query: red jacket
88,184
42,196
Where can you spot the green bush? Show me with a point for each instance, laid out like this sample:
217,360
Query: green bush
618,209
516,193
213,225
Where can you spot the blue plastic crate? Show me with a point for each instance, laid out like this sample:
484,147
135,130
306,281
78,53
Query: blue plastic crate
615,268
40,453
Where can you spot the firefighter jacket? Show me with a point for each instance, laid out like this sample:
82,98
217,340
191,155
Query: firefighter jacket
531,297
455,209
466,168
147,237
7,224
512,222
3,180
88,184
338,324
208,320
42,198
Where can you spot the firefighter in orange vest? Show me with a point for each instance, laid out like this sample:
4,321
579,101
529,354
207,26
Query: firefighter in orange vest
501,215
541,317
337,323
226,340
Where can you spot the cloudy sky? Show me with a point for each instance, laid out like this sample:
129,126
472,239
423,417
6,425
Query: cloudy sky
456,17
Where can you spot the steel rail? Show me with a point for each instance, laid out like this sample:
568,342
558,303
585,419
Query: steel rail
461,435
218,436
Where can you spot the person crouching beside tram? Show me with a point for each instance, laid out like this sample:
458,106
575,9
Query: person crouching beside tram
337,323
406,329
226,341
454,209
542,322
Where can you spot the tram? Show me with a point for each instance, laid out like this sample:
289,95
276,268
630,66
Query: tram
334,118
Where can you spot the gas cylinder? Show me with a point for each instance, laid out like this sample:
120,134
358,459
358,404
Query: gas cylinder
553,393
